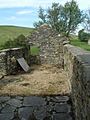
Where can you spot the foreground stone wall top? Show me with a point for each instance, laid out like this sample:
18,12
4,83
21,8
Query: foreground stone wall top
77,65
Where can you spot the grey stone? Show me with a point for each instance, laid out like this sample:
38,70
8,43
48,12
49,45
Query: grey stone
25,112
6,116
61,116
50,108
60,99
15,102
33,101
19,97
40,113
85,58
66,42
8,109
4,99
63,108
23,119
48,98
3,105
0,107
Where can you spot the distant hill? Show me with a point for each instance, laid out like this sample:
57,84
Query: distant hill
10,32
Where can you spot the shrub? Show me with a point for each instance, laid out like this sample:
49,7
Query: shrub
83,36
20,41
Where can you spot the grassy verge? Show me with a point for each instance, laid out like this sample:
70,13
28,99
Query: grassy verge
77,42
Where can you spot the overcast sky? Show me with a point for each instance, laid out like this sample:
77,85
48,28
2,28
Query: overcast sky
24,12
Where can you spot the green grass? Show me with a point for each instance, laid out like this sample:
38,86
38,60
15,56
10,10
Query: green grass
11,32
76,42
34,50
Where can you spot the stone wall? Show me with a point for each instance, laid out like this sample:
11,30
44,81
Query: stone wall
2,64
77,65
8,60
49,43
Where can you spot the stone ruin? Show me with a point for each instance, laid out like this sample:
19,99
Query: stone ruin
49,43
51,51
55,49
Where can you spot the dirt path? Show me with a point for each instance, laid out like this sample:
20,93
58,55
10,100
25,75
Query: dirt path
42,80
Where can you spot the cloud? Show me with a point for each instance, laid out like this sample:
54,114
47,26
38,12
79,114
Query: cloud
36,3
22,12
12,18
27,3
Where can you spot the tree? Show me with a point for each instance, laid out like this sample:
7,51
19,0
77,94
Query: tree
53,16
83,36
71,17
86,22
42,17
64,19
38,24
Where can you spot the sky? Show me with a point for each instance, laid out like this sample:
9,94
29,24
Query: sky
25,12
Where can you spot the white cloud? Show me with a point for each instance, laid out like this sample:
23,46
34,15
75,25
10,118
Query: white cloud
36,3
22,12
12,18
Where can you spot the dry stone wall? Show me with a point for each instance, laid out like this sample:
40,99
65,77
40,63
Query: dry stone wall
77,65
8,60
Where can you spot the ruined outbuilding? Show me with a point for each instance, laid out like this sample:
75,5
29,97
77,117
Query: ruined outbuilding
49,43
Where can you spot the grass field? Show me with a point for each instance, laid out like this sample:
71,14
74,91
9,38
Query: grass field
76,42
10,32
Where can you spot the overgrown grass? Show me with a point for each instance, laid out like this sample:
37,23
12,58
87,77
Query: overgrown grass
76,42
34,50
11,32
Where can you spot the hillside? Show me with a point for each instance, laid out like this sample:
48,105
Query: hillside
10,32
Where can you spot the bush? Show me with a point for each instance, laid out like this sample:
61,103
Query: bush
83,36
20,41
